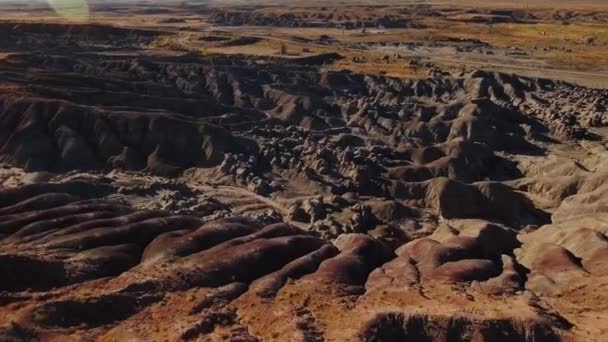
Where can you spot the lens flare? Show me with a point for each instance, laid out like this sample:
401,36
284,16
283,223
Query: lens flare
77,10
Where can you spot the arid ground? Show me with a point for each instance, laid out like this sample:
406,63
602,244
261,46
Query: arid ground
304,171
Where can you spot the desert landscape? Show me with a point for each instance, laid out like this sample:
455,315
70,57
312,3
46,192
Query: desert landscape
304,170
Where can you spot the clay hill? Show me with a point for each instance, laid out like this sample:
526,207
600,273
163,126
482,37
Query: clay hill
152,197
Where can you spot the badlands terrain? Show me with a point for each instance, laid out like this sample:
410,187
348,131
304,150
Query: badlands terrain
314,171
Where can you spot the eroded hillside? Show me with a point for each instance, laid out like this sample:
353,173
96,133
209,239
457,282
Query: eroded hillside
154,194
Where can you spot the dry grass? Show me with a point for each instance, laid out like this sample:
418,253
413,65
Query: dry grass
549,42
375,64
267,48
558,45
562,45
